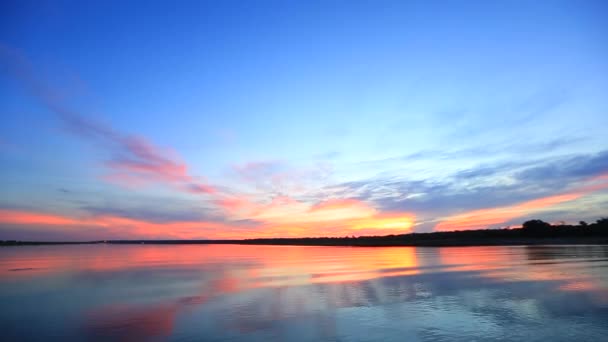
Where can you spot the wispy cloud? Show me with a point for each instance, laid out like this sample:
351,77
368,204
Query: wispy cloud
486,218
271,223
111,223
467,185
486,187
489,150
152,213
276,177
489,218
571,167
27,217
132,159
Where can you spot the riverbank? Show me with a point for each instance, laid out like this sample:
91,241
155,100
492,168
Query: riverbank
496,237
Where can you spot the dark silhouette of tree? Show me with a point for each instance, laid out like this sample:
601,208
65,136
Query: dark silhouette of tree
532,232
536,225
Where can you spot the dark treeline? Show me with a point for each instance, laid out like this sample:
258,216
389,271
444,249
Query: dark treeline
531,232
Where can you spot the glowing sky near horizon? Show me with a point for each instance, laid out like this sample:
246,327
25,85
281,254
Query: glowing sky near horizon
244,119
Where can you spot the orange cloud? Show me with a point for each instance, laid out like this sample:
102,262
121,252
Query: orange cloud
333,218
232,204
484,218
26,217
399,223
282,217
337,204
131,227
243,207
133,160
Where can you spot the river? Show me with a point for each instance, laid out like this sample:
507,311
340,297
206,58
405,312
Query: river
292,293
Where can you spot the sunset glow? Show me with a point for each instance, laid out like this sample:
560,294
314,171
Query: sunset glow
271,170
223,121
282,221
483,218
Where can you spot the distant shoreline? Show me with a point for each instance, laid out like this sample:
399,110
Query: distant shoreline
445,243
533,233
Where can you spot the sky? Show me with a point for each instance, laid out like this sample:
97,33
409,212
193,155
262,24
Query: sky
245,119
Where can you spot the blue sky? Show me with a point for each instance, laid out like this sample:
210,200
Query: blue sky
420,112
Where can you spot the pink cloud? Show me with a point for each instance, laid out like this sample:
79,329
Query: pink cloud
133,160
484,218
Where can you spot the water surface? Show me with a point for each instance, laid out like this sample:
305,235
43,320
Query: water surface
287,293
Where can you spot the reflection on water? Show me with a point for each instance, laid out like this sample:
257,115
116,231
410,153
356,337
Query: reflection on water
228,292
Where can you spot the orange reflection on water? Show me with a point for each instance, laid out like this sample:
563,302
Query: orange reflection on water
284,265
527,263
220,269
158,283
253,265
478,258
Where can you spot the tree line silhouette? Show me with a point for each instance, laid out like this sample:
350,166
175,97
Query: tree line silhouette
531,232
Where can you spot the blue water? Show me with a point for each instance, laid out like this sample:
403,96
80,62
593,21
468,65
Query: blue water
286,293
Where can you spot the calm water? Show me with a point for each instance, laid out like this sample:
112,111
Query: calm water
268,293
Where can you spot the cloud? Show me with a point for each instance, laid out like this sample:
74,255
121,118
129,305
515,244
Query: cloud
496,168
567,168
34,218
337,217
133,160
428,198
152,214
271,223
502,183
337,204
507,147
254,171
281,178
520,111
275,198
485,218
115,225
